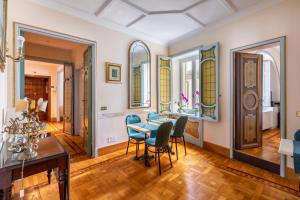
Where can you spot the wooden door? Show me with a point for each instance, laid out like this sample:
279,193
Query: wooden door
248,100
68,125
39,87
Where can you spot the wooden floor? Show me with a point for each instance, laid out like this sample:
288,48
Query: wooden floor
269,149
73,144
199,175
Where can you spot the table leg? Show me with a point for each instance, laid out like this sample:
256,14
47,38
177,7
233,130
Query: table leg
63,178
49,174
63,183
5,185
5,193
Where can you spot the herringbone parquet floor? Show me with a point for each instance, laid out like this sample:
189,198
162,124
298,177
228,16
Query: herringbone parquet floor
199,175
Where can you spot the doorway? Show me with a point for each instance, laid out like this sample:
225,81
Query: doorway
258,104
77,56
38,87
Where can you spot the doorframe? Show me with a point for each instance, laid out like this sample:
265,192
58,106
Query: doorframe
282,42
20,27
49,92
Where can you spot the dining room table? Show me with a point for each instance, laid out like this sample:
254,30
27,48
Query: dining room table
163,120
149,130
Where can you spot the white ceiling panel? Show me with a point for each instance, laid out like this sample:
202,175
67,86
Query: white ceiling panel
209,11
89,6
161,21
121,13
163,5
166,27
240,4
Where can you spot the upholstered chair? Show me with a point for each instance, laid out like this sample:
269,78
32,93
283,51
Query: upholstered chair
178,133
161,142
134,136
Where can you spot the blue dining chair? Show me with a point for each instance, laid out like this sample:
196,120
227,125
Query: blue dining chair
134,137
179,132
161,142
297,135
153,116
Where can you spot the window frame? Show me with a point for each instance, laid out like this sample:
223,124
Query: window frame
194,77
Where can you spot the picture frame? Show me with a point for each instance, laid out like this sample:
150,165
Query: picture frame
113,72
3,27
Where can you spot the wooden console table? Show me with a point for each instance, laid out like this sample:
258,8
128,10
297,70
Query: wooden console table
51,155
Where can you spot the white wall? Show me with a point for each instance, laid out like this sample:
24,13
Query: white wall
112,46
3,100
278,20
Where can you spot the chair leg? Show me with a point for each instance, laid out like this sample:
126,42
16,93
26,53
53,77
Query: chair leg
155,154
176,148
127,147
184,145
172,143
159,162
169,151
136,150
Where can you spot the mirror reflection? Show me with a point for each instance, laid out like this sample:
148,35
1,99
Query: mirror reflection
139,75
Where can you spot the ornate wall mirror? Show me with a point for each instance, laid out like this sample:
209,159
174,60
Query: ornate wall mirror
139,75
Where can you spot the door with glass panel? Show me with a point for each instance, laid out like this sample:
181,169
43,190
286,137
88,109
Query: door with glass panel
68,125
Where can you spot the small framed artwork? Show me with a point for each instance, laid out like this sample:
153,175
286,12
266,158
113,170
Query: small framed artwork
113,72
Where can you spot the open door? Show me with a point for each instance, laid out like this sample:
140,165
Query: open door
87,114
68,122
248,100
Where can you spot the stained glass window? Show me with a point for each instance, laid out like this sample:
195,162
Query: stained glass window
209,82
164,84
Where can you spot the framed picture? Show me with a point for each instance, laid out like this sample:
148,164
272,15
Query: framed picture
113,72
3,18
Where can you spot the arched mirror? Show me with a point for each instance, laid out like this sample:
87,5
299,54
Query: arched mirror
139,75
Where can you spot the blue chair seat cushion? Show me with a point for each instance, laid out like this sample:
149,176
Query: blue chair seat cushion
136,135
151,141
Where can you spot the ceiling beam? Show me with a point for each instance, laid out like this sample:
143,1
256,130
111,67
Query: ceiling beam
193,5
103,7
195,19
145,12
228,5
136,20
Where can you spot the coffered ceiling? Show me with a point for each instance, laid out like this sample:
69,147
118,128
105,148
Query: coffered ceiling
161,21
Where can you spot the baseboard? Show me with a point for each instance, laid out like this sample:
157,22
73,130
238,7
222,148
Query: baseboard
53,119
216,149
112,148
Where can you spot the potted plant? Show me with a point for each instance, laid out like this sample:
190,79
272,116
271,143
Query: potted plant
182,103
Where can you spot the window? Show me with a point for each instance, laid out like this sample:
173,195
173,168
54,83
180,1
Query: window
209,94
164,78
195,89
189,81
267,83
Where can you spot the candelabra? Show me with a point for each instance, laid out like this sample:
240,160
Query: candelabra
24,133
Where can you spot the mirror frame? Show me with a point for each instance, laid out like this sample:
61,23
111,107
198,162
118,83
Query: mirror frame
3,44
129,74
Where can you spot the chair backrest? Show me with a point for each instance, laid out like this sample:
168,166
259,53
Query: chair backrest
297,135
180,126
163,134
132,119
153,116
